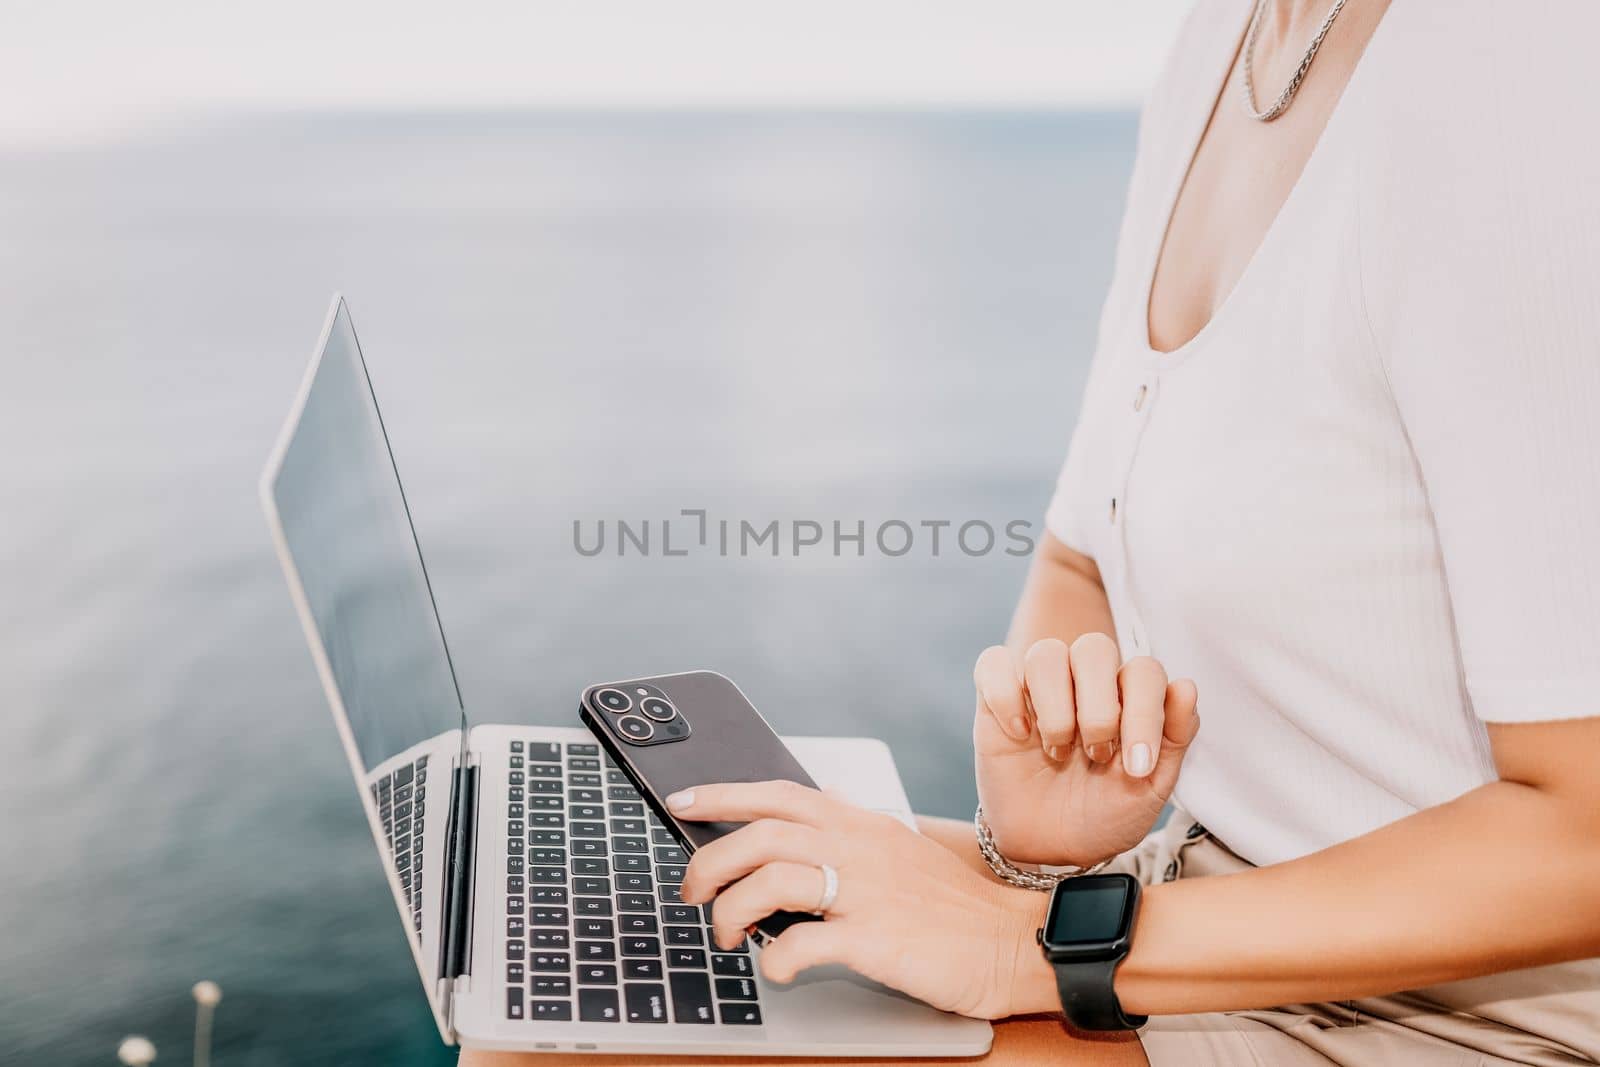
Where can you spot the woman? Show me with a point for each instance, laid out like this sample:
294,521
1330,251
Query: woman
1338,461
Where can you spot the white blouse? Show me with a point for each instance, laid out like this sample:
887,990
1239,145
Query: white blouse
1362,507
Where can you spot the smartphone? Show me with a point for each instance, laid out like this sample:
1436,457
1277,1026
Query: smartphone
677,731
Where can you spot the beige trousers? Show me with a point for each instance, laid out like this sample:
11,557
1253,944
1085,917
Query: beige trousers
1542,1016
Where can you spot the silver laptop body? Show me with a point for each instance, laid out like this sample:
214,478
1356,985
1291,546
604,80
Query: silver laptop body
537,894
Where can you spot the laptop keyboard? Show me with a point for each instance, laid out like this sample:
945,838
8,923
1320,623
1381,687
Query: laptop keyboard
401,797
595,927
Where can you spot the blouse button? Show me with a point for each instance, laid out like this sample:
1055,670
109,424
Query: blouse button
1138,398
1113,509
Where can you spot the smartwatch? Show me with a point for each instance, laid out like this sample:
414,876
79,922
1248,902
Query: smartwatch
1087,932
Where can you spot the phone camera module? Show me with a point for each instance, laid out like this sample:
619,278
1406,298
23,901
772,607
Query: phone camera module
657,708
613,700
635,729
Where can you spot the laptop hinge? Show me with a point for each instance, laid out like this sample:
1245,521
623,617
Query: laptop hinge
455,944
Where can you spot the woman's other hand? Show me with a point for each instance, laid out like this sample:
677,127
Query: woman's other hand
1077,752
909,913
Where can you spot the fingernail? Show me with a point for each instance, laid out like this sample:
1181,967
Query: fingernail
1019,728
1100,752
1055,753
681,800
1139,760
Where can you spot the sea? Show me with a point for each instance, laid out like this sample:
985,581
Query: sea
872,324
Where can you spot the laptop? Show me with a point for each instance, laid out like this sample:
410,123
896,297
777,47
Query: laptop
538,894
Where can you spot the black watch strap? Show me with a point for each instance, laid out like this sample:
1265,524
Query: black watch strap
1089,999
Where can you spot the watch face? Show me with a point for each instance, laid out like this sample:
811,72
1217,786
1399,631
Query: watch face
1090,913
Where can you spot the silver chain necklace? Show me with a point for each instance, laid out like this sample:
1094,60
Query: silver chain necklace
1280,105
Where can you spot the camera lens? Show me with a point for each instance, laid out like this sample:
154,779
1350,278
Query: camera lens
657,708
635,728
614,700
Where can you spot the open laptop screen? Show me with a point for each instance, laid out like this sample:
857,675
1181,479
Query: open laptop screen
346,524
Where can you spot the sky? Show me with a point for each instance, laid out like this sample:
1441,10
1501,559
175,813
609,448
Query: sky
108,69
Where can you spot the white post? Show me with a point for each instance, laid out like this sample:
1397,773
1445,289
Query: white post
206,996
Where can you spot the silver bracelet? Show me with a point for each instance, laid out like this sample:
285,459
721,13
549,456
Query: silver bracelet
1007,871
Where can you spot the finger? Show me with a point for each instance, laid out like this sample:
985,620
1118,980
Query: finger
735,855
1142,687
1093,660
1049,681
746,801
999,686
774,887
1183,723
806,945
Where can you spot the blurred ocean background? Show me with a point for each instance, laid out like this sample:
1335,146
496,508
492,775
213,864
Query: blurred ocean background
850,316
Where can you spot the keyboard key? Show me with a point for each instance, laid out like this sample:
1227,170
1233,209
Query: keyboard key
662,836
513,1002
671,892
585,796
635,902
514,828
550,985
516,950
545,820
547,875
592,887
584,781
593,907
590,951
550,1010
543,785
514,793
515,927
686,957
516,762
598,1006
647,1002
548,855
403,793
641,946
547,894
671,855
616,778
586,812
514,811
731,966
514,972
627,810
549,937
404,775
550,961
516,777
679,913
641,968
685,935
632,862
670,872
739,1014
545,803
589,846
547,917
514,884
594,928
516,746
515,846
621,792
583,763
588,829
691,997
537,838
632,827
629,844
583,748
597,974
638,924
543,770
634,883
735,989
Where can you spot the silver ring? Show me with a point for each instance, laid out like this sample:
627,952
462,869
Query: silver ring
830,889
